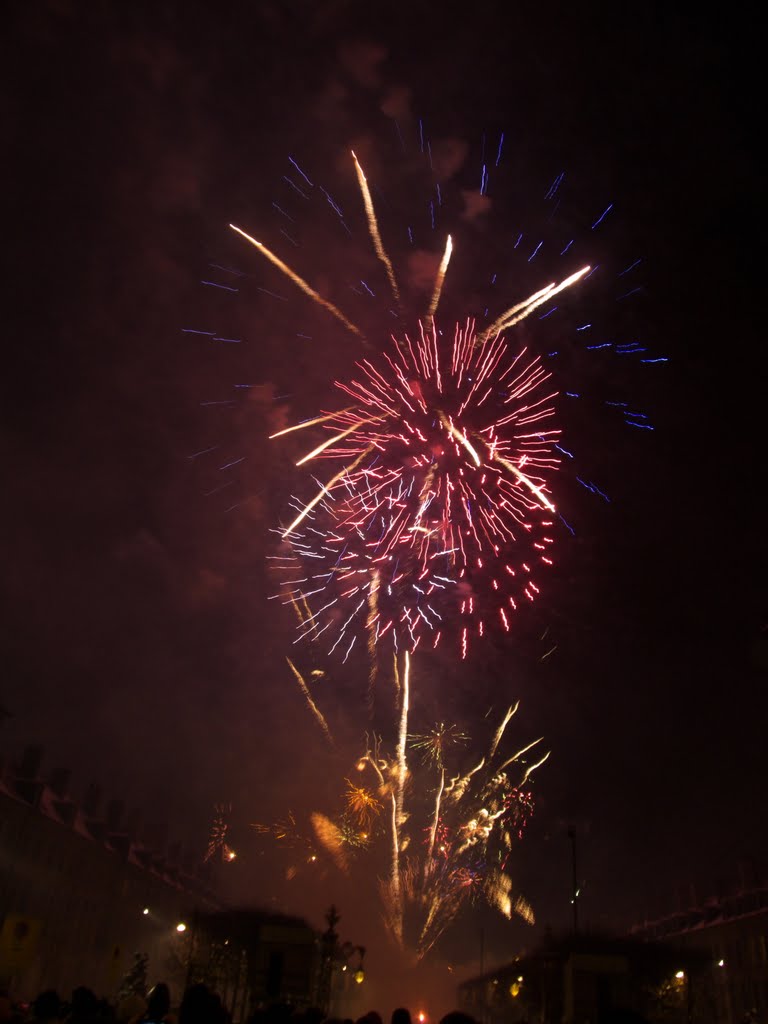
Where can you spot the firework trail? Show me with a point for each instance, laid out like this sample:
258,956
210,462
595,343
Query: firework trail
435,836
318,715
217,836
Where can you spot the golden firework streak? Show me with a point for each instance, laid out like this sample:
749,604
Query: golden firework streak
533,767
338,437
373,615
520,753
500,731
523,309
501,322
435,820
312,706
397,799
326,489
458,436
300,282
373,227
545,298
532,487
440,278
311,423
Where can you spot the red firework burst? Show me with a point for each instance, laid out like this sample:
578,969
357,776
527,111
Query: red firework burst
442,507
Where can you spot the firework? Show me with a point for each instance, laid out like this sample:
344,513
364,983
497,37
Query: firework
442,506
438,742
297,845
434,835
362,805
217,836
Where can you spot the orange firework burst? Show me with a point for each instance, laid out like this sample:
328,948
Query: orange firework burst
362,804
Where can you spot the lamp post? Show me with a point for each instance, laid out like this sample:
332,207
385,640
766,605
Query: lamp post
333,955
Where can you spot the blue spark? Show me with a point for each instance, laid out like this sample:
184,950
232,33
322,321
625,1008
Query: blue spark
593,488
301,172
630,267
282,211
536,250
555,186
607,210
498,153
331,202
224,287
565,250
228,270
567,525
273,295
295,187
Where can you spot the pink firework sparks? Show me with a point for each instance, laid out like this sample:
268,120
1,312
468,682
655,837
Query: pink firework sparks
440,517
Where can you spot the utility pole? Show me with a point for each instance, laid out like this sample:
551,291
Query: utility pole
575,881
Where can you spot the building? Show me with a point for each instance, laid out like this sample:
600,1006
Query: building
732,931
79,894
594,979
255,958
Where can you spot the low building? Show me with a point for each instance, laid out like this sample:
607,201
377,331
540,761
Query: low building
732,931
79,894
594,979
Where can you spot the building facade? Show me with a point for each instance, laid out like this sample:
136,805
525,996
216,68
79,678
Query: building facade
732,930
78,894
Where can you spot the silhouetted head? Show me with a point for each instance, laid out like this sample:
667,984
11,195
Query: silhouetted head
401,1016
158,1002
84,1003
47,1006
457,1017
196,1006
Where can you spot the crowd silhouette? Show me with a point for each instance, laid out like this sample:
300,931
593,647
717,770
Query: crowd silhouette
199,1005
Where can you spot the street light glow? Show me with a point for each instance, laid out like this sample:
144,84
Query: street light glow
181,927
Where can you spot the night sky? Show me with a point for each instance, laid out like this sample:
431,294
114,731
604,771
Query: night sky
138,643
